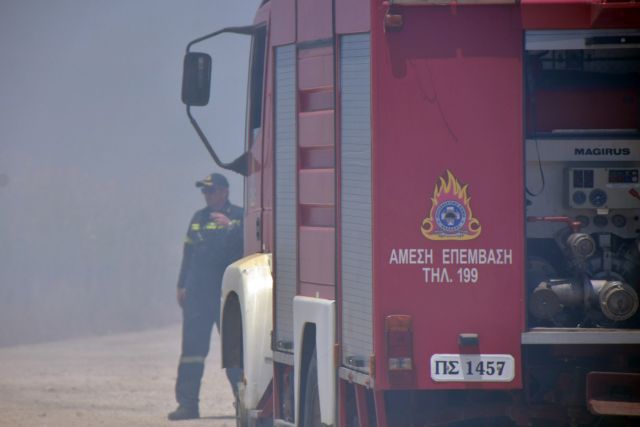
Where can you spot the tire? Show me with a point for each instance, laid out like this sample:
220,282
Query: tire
351,409
242,415
311,410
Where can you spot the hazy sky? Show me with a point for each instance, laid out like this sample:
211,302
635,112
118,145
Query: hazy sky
98,159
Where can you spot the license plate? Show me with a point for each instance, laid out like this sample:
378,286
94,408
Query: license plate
472,367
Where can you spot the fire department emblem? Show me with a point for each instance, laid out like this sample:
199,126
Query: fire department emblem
450,217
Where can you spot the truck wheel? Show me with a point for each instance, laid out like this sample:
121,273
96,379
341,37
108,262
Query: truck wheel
242,415
351,409
311,411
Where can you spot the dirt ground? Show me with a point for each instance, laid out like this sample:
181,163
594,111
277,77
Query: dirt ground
118,380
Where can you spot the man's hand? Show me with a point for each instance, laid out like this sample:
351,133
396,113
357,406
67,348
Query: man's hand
220,219
181,295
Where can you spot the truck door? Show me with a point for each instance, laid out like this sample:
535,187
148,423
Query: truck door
255,138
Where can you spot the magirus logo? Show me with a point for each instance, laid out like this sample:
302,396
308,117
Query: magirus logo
625,151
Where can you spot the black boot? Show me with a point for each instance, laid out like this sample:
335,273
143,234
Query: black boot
187,392
184,413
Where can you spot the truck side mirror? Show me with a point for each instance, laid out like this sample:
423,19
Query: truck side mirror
196,79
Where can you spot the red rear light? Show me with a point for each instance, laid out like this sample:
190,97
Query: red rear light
399,333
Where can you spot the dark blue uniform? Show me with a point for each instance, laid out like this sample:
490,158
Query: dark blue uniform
208,250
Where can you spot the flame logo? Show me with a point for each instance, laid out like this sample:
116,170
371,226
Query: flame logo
450,217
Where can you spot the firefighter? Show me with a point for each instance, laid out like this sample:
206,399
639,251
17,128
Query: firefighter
214,240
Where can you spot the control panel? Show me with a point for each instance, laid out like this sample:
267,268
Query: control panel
604,188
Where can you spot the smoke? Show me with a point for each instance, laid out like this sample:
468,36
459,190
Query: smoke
98,160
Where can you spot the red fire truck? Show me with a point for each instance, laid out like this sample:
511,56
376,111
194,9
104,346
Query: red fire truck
442,218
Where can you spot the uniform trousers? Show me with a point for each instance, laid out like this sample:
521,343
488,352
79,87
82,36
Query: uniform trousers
200,312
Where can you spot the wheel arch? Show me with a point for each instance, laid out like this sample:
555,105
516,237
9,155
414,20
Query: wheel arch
246,323
314,327
232,340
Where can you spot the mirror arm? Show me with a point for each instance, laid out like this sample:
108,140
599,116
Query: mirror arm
239,165
247,30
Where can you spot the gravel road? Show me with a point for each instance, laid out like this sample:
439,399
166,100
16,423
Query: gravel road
117,380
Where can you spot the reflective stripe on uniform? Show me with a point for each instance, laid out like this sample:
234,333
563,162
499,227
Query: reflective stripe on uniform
195,227
188,240
192,359
215,226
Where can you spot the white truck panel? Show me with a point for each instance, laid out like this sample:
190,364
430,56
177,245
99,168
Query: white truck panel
321,313
250,279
